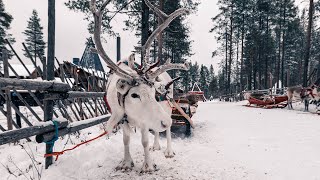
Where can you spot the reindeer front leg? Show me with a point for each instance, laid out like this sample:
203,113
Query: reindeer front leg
169,152
147,166
306,105
156,144
127,163
290,103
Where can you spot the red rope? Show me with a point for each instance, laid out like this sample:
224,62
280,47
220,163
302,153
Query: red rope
57,154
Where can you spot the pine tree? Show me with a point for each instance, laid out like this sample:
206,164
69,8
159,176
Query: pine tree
194,73
5,21
176,44
34,37
213,85
203,80
186,79
260,39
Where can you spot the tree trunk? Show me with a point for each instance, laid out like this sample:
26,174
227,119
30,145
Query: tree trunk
230,49
160,37
267,56
283,44
226,68
279,53
35,45
237,58
242,53
308,45
260,54
144,26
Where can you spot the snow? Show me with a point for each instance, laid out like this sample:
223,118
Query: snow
20,70
230,141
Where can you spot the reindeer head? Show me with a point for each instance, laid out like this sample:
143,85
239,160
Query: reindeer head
133,90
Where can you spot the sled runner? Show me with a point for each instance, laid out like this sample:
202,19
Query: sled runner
268,101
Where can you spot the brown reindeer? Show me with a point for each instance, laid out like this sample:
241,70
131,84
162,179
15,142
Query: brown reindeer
302,94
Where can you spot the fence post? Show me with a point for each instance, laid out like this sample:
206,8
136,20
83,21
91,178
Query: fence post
118,48
62,73
44,67
48,105
7,91
18,118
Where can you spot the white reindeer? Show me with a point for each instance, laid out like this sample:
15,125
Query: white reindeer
131,91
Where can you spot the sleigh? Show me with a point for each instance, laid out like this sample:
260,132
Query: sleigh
181,116
268,101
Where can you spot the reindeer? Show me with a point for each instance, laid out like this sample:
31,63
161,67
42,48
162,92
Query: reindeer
303,94
131,90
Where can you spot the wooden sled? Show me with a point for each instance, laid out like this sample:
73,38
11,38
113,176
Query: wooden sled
268,101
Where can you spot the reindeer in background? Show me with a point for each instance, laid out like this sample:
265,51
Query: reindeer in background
303,94
131,90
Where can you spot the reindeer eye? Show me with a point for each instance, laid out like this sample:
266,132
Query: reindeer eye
134,95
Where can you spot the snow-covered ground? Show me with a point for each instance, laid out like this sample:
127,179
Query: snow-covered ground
230,141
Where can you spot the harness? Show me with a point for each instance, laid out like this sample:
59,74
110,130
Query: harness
305,92
121,97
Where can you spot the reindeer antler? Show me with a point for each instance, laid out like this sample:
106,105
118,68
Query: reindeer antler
167,19
97,39
166,67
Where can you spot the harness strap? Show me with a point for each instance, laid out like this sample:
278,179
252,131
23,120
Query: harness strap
121,98
55,137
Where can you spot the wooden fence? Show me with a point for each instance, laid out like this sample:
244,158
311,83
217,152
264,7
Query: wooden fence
75,97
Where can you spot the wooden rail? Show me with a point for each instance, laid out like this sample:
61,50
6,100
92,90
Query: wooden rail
21,84
73,127
17,134
73,95
45,131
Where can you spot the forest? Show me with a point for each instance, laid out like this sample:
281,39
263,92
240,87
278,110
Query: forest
262,43
266,44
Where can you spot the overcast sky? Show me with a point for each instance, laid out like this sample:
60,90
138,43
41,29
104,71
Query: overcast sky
71,30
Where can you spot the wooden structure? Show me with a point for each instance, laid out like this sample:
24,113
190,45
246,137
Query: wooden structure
184,107
48,100
199,95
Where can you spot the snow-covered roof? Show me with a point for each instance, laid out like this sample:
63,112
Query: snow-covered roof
20,70
90,70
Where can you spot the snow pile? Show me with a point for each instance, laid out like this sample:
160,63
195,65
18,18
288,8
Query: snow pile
230,141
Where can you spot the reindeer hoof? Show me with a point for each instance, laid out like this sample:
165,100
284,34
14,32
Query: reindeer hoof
169,153
155,148
125,165
148,168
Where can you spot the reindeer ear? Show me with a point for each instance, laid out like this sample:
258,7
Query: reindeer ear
131,61
123,86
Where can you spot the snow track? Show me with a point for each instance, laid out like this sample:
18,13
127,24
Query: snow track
230,141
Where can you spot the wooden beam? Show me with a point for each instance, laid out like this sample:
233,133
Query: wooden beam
73,95
9,83
7,91
73,127
27,105
18,57
39,71
17,134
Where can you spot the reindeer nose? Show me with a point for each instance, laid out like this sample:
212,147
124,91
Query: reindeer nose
163,125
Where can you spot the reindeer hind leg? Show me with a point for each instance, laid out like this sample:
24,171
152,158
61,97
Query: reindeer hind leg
156,144
127,163
169,152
